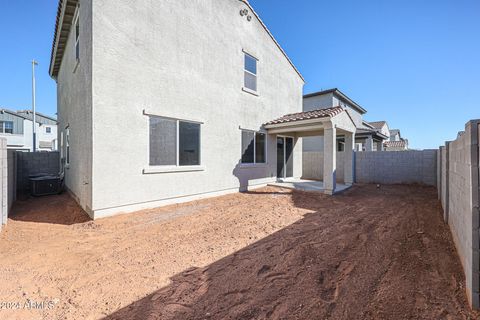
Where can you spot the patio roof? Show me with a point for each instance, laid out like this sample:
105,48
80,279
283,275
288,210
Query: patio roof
312,122
313,114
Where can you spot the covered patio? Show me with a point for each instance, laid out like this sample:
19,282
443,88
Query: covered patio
329,123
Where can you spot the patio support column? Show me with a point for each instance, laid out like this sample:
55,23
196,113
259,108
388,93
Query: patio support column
349,159
330,160
380,146
369,144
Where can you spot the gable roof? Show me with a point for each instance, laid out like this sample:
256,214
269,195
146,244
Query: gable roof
273,38
66,11
313,114
28,114
12,113
339,95
396,144
378,124
395,131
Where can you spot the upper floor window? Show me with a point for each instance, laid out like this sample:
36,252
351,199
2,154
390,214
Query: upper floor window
250,73
48,130
174,142
253,147
77,38
6,126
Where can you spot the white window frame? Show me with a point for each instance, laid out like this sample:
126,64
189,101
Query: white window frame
2,127
68,154
254,163
61,145
177,167
244,88
47,128
77,36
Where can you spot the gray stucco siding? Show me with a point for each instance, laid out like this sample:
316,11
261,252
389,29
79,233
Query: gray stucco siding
74,100
185,67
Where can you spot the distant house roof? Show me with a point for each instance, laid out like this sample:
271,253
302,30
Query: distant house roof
63,23
313,114
28,114
378,124
363,132
12,113
339,94
396,144
395,131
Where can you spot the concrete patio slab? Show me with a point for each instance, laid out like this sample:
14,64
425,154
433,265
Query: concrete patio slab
306,185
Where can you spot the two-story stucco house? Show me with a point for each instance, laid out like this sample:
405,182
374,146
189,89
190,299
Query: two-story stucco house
17,128
396,142
165,101
367,137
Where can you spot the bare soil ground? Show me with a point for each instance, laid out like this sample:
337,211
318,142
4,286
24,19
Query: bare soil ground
271,254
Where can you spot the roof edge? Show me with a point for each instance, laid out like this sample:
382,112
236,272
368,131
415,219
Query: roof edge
273,38
341,95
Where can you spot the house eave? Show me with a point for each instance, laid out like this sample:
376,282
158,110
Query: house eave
339,94
65,14
273,38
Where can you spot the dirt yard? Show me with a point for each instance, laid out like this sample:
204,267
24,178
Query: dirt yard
271,254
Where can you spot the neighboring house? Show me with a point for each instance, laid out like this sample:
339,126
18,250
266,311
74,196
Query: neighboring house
367,137
381,127
17,128
396,142
161,102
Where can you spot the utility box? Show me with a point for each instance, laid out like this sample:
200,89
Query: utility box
45,185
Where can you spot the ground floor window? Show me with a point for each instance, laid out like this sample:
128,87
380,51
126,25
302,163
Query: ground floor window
254,147
173,142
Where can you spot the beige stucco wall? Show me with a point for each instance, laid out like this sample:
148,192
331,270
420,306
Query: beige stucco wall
182,60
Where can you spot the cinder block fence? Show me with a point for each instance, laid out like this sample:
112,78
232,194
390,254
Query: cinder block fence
383,167
459,194
454,169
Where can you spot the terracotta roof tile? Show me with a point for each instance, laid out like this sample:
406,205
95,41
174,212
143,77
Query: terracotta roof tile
313,114
395,144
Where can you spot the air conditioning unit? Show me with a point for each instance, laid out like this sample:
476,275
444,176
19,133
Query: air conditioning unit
45,185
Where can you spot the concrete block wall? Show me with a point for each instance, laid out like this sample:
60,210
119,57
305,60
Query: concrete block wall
405,167
313,165
459,190
30,163
3,182
12,177
380,167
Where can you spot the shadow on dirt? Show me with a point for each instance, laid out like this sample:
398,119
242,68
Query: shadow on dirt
351,257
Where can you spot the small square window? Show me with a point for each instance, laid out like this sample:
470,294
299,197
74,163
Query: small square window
48,130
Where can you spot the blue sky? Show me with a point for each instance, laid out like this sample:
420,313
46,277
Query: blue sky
413,63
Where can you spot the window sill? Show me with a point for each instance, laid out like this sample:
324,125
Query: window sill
252,165
255,93
160,169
